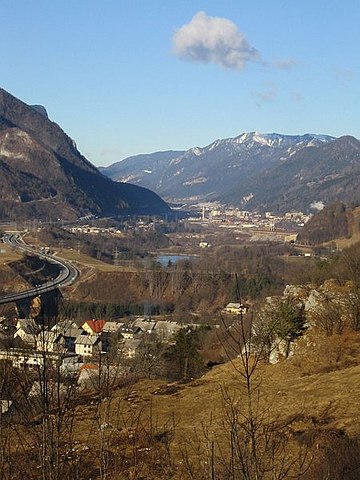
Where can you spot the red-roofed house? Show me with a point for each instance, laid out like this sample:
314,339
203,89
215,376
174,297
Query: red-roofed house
93,327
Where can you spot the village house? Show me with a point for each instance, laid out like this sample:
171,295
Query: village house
88,345
49,341
128,347
145,324
27,358
93,327
130,332
112,327
100,329
27,330
165,329
236,308
70,331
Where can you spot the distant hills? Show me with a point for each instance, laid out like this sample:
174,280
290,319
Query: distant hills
253,171
43,175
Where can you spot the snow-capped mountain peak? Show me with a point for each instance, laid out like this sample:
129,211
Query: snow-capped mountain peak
277,140
227,168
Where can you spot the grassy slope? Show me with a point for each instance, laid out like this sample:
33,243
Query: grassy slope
300,386
319,385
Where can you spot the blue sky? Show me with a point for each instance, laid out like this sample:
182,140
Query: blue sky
123,77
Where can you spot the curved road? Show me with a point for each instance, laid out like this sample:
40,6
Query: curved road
68,273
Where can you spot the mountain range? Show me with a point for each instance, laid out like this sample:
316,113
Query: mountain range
252,171
43,175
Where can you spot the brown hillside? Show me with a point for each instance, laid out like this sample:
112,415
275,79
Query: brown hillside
314,393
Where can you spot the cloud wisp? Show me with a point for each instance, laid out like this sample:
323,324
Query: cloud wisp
286,64
268,95
217,40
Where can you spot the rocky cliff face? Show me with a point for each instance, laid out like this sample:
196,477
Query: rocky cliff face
43,175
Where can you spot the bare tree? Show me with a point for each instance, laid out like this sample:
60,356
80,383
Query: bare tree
256,444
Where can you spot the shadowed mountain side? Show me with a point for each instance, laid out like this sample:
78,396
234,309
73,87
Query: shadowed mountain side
43,175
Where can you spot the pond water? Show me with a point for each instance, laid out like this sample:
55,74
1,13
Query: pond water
165,259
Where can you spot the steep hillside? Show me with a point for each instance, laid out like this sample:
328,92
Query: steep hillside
43,175
329,224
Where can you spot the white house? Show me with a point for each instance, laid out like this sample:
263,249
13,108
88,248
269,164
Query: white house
112,327
146,325
50,341
27,330
128,347
93,327
130,332
88,345
35,359
70,331
236,308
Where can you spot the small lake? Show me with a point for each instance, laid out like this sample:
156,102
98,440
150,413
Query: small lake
165,259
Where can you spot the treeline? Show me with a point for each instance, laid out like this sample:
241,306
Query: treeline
224,275
80,311
202,285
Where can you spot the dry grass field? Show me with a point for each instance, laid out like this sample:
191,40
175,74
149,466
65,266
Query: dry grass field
87,261
315,392
8,255
323,376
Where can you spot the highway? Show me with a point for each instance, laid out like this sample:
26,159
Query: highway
67,275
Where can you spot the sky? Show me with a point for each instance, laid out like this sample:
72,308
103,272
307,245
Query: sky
124,77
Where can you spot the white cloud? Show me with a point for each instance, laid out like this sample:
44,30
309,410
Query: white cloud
216,40
266,96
